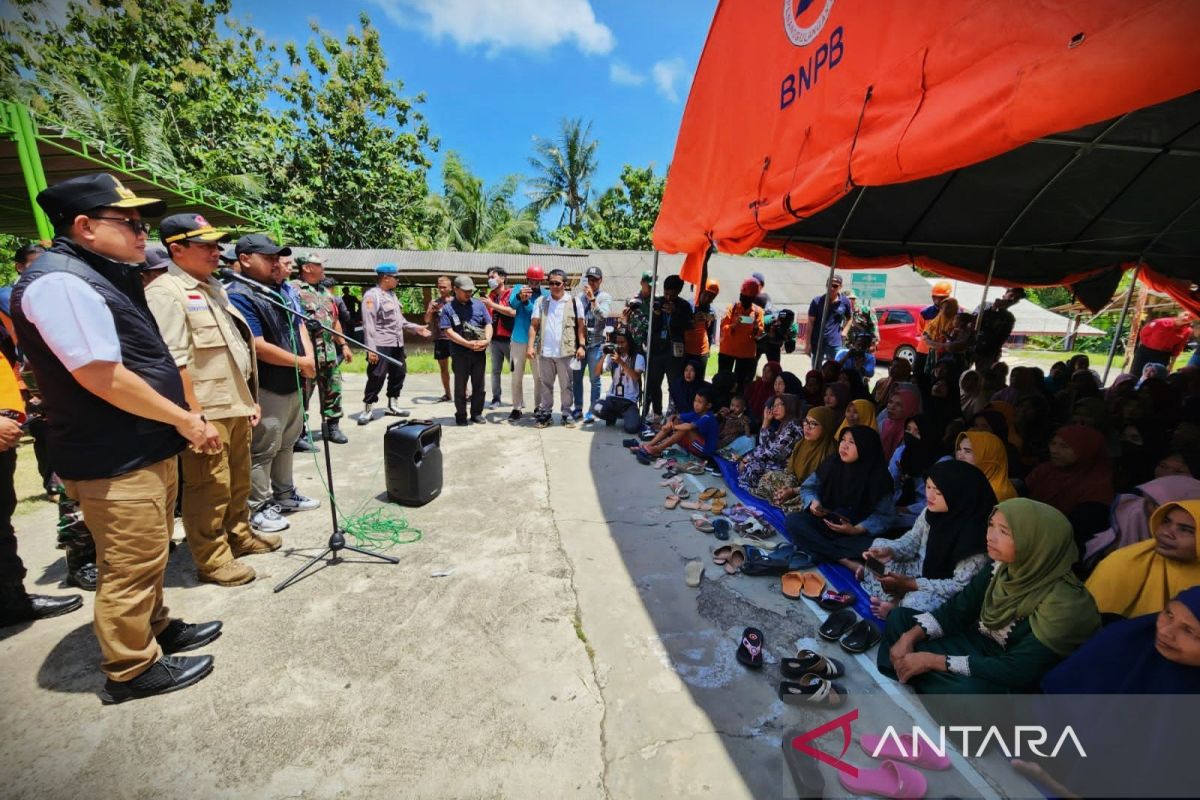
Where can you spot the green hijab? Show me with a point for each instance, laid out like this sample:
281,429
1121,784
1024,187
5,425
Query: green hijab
1039,584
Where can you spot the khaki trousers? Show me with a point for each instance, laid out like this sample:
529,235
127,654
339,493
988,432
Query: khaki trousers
130,517
548,370
216,489
517,352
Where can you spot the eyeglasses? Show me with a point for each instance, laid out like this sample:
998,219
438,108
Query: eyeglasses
556,283
135,225
811,423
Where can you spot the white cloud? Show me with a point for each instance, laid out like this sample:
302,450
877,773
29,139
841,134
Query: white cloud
666,75
511,24
622,75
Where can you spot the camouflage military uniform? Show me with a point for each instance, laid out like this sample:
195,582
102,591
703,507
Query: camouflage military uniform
318,303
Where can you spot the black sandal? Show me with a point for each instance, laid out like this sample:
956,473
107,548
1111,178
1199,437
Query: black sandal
861,638
808,662
831,600
838,623
749,652
812,689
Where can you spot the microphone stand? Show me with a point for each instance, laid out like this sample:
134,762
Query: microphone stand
337,539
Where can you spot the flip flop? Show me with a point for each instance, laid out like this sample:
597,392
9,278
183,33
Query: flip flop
693,573
718,506
861,637
630,443
696,505
891,779
790,584
810,662
812,689
835,627
734,564
910,751
693,468
749,652
813,585
670,474
709,493
721,554
833,600
671,502
721,528
701,523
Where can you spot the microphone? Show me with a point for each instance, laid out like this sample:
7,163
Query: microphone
227,274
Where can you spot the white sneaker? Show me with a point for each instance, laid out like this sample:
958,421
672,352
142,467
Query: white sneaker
268,520
296,502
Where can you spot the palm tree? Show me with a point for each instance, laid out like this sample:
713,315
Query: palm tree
565,170
467,217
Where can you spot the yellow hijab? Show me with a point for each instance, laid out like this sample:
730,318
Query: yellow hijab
1136,580
866,416
806,455
991,456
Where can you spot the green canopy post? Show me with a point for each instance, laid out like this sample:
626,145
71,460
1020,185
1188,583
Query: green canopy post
21,125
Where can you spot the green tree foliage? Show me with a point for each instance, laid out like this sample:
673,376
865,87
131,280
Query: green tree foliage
467,216
564,168
623,217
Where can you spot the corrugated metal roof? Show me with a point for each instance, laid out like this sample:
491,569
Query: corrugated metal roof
423,266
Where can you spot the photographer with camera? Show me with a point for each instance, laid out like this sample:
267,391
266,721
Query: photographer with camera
636,315
779,334
858,356
672,318
468,326
626,365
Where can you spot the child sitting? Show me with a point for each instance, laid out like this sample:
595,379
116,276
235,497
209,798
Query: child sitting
695,431
734,422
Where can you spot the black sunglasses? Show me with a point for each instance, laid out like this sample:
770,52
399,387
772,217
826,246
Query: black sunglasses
556,283
135,225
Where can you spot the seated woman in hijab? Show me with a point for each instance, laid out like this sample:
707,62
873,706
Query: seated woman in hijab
992,421
970,394
904,404
1140,578
918,452
837,397
942,551
692,380
858,412
1150,371
854,380
899,372
986,451
782,487
776,439
1154,654
1014,621
761,389
1077,480
1131,512
846,503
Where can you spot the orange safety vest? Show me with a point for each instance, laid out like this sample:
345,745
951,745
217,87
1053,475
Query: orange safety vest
12,405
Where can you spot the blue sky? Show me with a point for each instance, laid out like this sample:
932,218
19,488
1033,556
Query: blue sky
497,74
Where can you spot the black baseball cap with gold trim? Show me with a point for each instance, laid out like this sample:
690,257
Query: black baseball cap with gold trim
67,200
189,227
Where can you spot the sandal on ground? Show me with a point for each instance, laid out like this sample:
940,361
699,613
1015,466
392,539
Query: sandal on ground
861,637
810,662
812,689
701,523
693,573
721,554
790,584
670,474
671,502
692,468
832,600
721,528
909,751
712,493
630,443
838,623
749,652
696,505
891,779
718,505
733,565
813,586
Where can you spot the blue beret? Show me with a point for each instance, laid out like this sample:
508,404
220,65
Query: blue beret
385,269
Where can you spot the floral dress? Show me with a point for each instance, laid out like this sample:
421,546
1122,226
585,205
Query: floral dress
908,558
773,451
772,481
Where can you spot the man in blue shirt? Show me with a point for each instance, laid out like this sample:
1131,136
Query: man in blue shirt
521,300
858,356
696,431
825,325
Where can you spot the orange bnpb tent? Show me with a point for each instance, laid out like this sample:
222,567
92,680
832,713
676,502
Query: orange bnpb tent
1036,142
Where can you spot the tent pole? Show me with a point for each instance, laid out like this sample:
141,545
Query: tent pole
837,242
30,159
1112,347
986,286
650,335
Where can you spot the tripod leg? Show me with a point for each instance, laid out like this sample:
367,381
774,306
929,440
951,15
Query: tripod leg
380,556
311,562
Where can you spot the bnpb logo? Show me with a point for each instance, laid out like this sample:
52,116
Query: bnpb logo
800,34
803,27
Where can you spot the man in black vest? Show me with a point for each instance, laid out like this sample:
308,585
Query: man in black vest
117,419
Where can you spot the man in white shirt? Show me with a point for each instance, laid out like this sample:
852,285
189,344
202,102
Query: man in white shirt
556,335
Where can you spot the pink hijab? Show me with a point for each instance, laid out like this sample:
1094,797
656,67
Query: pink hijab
891,432
1130,522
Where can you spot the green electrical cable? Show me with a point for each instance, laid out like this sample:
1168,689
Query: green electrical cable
379,529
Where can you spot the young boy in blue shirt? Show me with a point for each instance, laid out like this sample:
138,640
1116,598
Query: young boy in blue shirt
696,431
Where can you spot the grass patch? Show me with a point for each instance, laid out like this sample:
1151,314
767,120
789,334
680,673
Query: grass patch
577,623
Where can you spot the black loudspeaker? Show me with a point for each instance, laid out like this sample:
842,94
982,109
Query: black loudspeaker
412,460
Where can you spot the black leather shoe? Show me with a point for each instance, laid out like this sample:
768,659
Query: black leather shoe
168,674
302,445
85,577
179,636
21,607
330,432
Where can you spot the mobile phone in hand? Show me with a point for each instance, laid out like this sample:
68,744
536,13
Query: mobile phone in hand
835,518
876,566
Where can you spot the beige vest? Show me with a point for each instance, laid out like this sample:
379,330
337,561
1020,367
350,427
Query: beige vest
219,344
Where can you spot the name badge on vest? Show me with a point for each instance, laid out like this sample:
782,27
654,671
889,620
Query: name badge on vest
196,303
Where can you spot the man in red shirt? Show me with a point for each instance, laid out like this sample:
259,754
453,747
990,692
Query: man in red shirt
503,316
1161,341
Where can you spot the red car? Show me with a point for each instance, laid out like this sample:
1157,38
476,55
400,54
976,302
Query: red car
898,334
